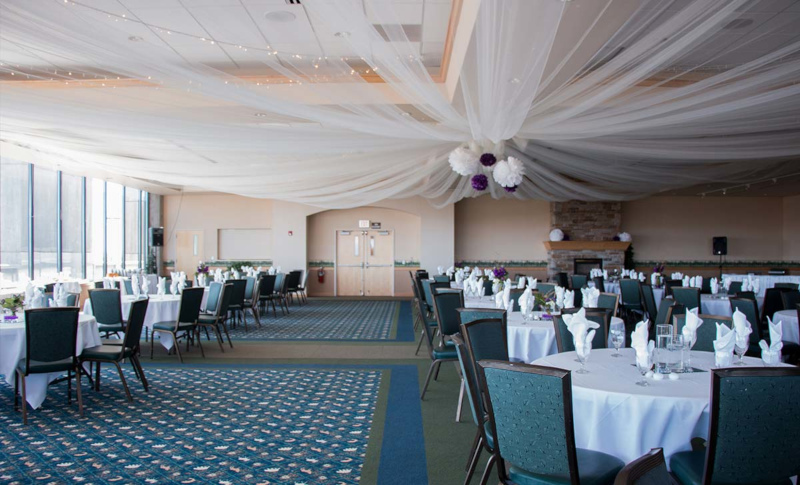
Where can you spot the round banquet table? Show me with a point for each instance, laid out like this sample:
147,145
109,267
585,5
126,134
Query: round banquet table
791,332
12,350
720,305
528,341
613,415
160,308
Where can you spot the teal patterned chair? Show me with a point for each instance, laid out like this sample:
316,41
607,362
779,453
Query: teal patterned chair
649,301
688,297
609,301
706,333
445,306
484,439
790,286
790,299
579,281
214,290
564,340
422,317
735,287
128,286
545,288
741,449
790,350
514,296
107,310
561,279
186,323
631,298
600,283
442,278
436,351
216,320
650,469
773,302
429,286
530,411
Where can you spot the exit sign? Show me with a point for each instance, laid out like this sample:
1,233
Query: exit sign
364,224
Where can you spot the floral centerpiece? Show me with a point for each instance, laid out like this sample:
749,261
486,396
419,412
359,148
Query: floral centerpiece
545,302
658,271
13,303
202,268
498,274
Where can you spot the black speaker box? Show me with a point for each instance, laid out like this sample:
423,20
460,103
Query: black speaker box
156,237
720,245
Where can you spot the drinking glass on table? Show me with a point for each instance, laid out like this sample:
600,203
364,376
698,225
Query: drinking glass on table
582,358
676,349
644,365
740,349
618,340
663,341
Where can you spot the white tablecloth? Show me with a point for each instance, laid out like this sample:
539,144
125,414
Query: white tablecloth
159,309
614,415
765,281
720,305
788,318
528,341
12,350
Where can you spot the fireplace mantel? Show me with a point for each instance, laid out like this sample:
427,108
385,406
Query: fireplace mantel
586,245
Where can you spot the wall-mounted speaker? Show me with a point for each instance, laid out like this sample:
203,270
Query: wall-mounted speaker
156,237
720,245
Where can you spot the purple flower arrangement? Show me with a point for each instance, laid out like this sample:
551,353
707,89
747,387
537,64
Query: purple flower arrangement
480,182
499,273
459,264
202,268
659,268
488,159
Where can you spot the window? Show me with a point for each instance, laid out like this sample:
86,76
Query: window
13,222
71,225
95,229
132,235
45,223
113,226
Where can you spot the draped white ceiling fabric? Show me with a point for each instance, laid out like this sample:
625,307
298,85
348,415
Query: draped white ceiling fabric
682,93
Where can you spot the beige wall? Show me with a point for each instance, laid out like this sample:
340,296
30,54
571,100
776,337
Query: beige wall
322,227
208,213
791,228
681,228
501,230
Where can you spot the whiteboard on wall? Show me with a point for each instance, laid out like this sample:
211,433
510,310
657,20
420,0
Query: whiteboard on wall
244,244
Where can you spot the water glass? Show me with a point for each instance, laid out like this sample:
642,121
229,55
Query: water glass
618,340
740,348
663,341
644,367
582,358
676,350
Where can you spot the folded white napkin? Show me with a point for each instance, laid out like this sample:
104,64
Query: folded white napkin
135,285
278,269
582,331
569,299
747,284
642,277
653,279
559,296
497,287
30,291
640,344
498,300
677,276
271,270
590,297
526,301
450,271
687,282
726,282
108,283
236,275
532,282
145,286
521,282
440,269
605,274
755,286
723,345
771,353
173,287
691,282
690,326
508,304
742,328
714,284
698,282
162,286
479,287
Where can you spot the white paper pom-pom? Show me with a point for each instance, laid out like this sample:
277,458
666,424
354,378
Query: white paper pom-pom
624,236
556,235
464,161
508,173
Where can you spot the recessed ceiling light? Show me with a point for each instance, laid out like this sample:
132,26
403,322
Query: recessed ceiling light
343,34
514,80
261,115
135,38
280,16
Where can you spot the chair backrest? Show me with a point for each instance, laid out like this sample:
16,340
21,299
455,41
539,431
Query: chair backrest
750,310
50,334
789,286
514,296
631,293
239,287
133,330
470,382
600,283
705,286
418,279
486,339
191,299
602,317
750,295
649,469
466,315
790,299
649,300
72,299
609,301
664,315
426,329
545,288
250,284
773,302
579,281
562,280
128,286
267,285
430,287
214,290
669,285
294,280
98,285
443,278
49,287
706,333
278,288
540,441
106,306
766,455
688,297
445,305
735,287
564,342
225,300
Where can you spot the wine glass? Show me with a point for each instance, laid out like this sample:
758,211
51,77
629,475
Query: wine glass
740,349
618,339
644,367
582,358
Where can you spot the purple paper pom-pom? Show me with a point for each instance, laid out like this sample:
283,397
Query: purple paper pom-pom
488,159
480,182
616,238
511,189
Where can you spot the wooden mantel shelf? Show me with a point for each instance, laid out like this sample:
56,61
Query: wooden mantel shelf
586,245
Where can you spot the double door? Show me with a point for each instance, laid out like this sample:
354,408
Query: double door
364,263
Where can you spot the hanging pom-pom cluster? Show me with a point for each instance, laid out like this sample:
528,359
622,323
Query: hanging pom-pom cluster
467,161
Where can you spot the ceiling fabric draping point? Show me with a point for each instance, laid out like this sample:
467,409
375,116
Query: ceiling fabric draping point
680,93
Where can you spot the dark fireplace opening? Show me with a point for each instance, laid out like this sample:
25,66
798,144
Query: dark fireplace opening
584,266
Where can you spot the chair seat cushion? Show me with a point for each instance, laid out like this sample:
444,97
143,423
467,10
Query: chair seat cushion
171,326
38,367
105,352
446,354
111,341
688,467
208,319
109,328
594,467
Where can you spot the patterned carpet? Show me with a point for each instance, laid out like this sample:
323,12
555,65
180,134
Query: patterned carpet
345,320
198,425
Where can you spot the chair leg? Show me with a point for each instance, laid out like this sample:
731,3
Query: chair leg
97,378
124,382
16,390
199,343
69,387
244,318
24,402
428,379
438,366
419,345
177,347
78,373
488,470
475,444
475,458
225,329
135,361
151,345
460,401
254,310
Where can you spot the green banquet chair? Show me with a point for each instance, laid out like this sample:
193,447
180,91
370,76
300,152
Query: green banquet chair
186,323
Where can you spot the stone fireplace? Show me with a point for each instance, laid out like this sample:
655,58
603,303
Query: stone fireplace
591,228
